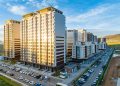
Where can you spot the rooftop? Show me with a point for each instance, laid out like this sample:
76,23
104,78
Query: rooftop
44,10
71,65
12,21
49,9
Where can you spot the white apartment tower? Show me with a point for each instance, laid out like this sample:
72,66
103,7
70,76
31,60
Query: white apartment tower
43,38
82,35
78,51
71,40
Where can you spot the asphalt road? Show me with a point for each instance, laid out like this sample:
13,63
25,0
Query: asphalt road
104,58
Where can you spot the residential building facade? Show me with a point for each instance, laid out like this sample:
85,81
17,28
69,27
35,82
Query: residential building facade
70,41
78,51
82,35
12,39
43,38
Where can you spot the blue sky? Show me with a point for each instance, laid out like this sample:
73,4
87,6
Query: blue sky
102,17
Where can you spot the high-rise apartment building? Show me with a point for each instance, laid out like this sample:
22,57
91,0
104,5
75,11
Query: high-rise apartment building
82,35
70,41
74,36
12,39
43,38
102,43
90,37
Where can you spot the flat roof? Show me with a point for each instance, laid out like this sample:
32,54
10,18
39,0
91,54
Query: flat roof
49,9
71,65
28,15
11,21
42,11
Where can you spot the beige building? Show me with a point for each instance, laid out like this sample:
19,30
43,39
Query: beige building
82,35
43,38
12,39
70,41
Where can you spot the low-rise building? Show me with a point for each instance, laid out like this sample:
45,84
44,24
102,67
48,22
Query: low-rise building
78,51
102,45
70,68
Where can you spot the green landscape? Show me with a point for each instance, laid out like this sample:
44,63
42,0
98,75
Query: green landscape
7,82
3,80
1,49
113,41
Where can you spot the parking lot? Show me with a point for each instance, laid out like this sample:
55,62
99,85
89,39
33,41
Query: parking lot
27,76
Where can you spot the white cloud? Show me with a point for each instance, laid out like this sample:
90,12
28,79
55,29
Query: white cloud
1,27
42,3
17,9
1,32
101,20
91,13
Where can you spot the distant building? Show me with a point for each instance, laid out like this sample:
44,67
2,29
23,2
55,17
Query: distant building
95,39
71,39
78,51
83,43
43,38
93,48
82,35
87,49
102,45
90,37
101,40
96,47
74,36
12,39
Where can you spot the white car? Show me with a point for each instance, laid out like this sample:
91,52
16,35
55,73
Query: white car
26,80
21,78
31,82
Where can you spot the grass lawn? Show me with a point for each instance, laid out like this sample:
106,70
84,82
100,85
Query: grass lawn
7,82
1,54
9,61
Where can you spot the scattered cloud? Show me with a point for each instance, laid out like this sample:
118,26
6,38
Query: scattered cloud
1,32
42,3
17,9
102,20
91,13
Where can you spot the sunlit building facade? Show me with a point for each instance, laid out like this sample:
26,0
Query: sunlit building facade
43,38
82,35
12,39
70,41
